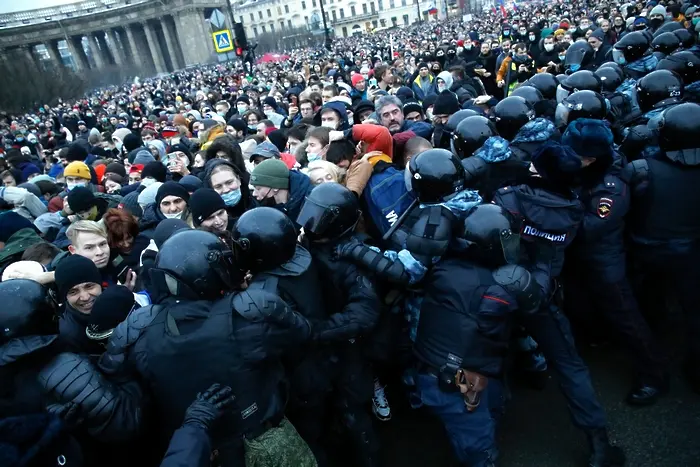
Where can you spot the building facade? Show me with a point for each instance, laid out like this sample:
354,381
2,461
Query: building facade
343,18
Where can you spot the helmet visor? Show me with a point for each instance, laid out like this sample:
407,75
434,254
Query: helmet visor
618,56
562,93
510,244
316,218
561,116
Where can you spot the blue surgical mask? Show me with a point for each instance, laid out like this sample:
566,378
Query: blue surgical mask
562,57
575,67
312,156
232,198
695,21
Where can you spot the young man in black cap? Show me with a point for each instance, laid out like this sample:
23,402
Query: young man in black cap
79,284
209,211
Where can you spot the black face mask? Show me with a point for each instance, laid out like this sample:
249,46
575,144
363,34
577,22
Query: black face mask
656,22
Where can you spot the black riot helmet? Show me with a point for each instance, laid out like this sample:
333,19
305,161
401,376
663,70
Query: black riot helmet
679,127
546,83
457,117
578,56
436,175
471,134
687,39
490,236
610,78
529,93
659,88
330,212
630,48
196,265
583,80
685,63
267,237
615,67
669,26
26,310
665,43
581,104
510,115
561,77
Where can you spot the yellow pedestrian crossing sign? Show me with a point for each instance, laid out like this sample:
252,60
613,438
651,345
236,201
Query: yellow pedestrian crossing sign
222,41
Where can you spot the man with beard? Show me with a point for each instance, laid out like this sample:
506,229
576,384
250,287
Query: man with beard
515,69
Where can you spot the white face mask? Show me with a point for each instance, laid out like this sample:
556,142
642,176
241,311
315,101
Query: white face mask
174,215
269,112
468,46
71,185
441,87
429,114
242,109
549,47
329,124
313,157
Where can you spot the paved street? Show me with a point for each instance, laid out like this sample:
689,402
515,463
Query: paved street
537,431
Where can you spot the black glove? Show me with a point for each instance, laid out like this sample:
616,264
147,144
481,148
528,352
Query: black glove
344,250
209,406
70,413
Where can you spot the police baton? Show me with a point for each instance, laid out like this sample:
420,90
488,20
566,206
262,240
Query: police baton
399,221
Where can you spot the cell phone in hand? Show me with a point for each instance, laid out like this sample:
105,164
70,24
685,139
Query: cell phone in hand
373,82
123,269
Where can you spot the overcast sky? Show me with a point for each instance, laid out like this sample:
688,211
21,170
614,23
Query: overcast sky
11,6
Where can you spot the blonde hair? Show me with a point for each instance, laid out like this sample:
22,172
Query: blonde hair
327,167
85,226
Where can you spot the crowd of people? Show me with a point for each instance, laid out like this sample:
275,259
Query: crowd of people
218,267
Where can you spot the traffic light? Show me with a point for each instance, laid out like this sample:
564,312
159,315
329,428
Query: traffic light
239,36
239,51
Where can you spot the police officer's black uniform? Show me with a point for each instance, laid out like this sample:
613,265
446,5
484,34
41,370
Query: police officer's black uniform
200,335
665,227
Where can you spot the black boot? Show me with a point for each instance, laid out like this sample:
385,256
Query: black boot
603,454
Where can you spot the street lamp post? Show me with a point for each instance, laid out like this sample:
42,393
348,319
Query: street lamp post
325,26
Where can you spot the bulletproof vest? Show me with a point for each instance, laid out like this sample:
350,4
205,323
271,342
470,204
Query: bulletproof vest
302,292
548,220
191,345
327,266
663,212
447,335
426,232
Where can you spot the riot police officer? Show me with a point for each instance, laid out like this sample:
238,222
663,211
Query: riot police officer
665,233
277,262
37,375
551,213
596,276
199,334
460,356
329,217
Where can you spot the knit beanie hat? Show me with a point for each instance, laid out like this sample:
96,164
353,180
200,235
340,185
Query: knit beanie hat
245,99
117,168
81,199
148,196
191,183
278,139
130,203
131,142
110,308
28,170
74,270
76,152
155,170
598,34
171,189
589,138
272,173
422,65
77,169
11,223
446,103
356,78
658,10
204,203
428,101
143,156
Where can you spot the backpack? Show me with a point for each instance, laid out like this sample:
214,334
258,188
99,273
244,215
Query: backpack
386,196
